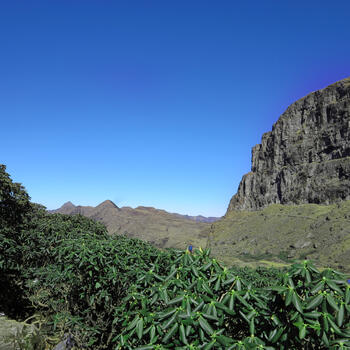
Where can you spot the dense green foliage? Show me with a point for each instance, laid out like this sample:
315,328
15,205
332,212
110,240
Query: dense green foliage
16,211
121,293
201,304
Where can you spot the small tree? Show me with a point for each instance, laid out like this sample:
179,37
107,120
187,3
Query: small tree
15,211
14,201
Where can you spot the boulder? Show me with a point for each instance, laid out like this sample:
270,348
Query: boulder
17,335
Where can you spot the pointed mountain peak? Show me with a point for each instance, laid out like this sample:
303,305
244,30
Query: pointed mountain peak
66,208
107,204
68,204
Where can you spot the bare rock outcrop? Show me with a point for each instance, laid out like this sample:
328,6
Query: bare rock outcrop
306,156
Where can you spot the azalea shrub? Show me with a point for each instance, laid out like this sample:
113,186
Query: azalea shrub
80,291
16,211
122,293
201,304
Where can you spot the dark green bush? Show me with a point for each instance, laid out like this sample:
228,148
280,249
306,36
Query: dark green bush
201,304
16,211
88,280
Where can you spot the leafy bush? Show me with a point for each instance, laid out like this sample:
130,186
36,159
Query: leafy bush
201,304
87,282
121,293
16,211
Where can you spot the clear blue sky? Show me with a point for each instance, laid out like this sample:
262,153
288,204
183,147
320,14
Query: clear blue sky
155,103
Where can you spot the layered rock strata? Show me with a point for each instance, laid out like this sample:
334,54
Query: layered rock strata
306,156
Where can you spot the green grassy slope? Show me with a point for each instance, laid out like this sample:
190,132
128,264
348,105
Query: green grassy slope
162,229
282,233
158,227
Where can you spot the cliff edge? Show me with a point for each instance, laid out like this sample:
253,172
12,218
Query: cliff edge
306,156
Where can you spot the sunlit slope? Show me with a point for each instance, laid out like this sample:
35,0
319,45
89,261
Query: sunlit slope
160,228
282,233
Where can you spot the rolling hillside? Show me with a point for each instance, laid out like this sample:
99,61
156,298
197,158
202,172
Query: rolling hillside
156,226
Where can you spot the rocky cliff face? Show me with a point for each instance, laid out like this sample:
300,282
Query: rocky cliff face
306,156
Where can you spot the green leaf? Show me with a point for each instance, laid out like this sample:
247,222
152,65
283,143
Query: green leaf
217,284
206,288
169,322
317,300
154,299
325,339
170,333
243,301
279,289
229,281
332,302
139,328
308,276
183,334
206,266
152,333
210,317
340,315
205,326
226,298
133,323
252,327
238,284
166,314
176,300
210,345
325,322
277,335
289,297
335,327
314,269
159,278
333,286
145,347
302,332
201,335
188,307
313,314
296,302
198,307
225,341
171,275
164,295
122,340
195,271
276,320
272,334
232,301
347,294
244,316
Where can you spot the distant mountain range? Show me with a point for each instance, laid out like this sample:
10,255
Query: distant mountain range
157,226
